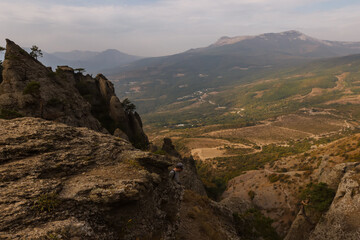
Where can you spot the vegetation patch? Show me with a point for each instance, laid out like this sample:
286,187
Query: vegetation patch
46,202
278,177
319,197
254,225
32,88
160,152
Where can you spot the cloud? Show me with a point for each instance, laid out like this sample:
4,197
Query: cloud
165,26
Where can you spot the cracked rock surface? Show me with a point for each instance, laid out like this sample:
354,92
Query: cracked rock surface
75,183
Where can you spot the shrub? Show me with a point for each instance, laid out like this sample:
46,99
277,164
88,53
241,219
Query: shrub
32,88
160,152
273,178
254,225
319,196
46,202
128,106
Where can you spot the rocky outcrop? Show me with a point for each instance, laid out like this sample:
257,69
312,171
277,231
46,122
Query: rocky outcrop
169,148
276,199
342,220
188,177
31,89
203,219
62,182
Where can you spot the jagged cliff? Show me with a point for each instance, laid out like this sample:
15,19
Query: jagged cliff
31,89
62,182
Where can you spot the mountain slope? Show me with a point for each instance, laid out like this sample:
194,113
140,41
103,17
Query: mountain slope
92,62
154,82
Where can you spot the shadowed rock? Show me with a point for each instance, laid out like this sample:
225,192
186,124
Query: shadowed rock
31,89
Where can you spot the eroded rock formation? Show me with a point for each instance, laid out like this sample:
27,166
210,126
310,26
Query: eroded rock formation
63,182
31,89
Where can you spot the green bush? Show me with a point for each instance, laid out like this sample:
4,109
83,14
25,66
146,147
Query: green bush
32,88
160,152
46,202
319,196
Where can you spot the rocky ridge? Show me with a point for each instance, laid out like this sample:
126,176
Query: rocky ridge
66,182
31,89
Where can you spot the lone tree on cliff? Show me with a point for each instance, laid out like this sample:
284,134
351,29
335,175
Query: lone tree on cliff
36,52
128,106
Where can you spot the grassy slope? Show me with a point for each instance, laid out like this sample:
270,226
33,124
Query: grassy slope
267,95
279,94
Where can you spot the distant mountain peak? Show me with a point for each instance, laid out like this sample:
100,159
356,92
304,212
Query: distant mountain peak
291,34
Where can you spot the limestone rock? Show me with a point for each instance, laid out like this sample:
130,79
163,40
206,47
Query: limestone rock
121,134
31,89
169,148
188,177
63,182
342,220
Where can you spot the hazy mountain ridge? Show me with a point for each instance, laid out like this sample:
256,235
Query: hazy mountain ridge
219,65
92,62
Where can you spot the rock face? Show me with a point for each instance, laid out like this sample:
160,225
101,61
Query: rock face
188,177
30,89
342,220
276,200
62,182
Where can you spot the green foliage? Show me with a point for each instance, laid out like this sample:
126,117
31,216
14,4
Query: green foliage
46,202
320,196
128,106
32,88
54,102
35,52
160,152
253,225
9,114
276,177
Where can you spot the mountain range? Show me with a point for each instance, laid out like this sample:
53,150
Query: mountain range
92,62
153,83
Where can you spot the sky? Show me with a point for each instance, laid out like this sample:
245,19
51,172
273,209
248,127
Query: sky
164,27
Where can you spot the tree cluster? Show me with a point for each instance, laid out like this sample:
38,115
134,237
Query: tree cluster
128,106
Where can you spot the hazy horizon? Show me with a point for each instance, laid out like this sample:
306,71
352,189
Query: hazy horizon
164,27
